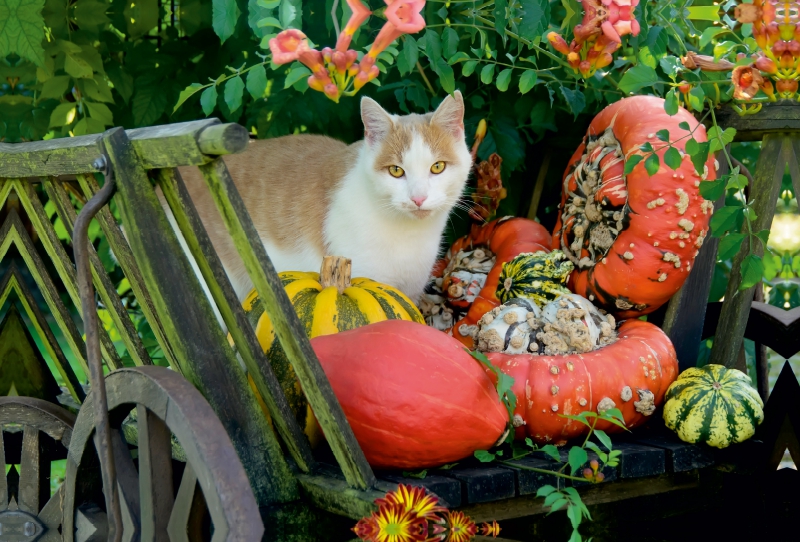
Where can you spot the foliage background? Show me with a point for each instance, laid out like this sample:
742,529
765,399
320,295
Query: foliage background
72,67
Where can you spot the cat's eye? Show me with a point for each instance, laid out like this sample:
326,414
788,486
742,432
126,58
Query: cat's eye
396,171
437,168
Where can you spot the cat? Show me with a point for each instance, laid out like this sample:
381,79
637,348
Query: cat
383,202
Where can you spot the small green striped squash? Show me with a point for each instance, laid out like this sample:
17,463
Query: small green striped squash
323,311
713,404
539,276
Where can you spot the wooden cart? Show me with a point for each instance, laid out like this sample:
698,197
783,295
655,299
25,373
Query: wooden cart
186,452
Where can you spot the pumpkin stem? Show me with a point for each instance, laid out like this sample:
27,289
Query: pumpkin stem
335,271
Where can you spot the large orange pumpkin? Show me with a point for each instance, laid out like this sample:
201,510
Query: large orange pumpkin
413,396
505,238
633,239
632,374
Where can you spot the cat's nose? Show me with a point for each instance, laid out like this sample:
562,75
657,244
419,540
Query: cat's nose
419,200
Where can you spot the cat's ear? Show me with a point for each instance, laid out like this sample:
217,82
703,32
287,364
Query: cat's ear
377,122
450,114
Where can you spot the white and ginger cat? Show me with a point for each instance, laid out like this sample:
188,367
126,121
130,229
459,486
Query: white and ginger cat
382,202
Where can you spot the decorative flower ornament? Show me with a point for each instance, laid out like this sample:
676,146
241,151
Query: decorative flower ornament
598,35
409,514
335,71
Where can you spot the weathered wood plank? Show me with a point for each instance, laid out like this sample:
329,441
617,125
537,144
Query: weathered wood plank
179,516
155,475
12,282
64,266
779,117
13,233
34,472
335,495
201,349
776,151
484,484
590,495
106,290
172,145
288,328
256,362
122,252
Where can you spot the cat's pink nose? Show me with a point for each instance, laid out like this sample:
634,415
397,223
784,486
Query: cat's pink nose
419,200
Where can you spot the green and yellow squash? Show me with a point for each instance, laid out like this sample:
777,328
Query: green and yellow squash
540,276
713,404
327,302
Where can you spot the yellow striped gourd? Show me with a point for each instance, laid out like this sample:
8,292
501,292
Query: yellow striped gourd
540,276
713,404
327,302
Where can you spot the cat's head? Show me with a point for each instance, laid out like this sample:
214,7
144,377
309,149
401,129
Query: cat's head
418,164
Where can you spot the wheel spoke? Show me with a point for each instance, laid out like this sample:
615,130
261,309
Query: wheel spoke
155,475
50,516
34,471
128,483
179,519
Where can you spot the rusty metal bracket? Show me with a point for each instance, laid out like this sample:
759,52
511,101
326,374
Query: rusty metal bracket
100,402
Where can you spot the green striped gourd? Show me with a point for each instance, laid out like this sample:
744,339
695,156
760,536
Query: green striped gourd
540,276
327,302
713,404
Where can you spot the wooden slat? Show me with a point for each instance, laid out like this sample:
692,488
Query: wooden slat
335,495
128,486
779,117
179,517
122,252
12,282
256,362
34,472
106,290
64,266
155,475
173,145
484,484
288,328
200,348
12,232
776,151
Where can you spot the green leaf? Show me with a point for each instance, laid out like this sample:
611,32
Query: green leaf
22,29
684,126
234,89
700,155
100,112
208,100
409,56
709,34
552,451
750,214
257,82
544,491
718,139
484,456
764,236
575,100
149,103
446,76
77,67
631,162
55,87
671,104
712,190
295,75
737,181
96,89
696,98
574,515
449,42
663,135
673,158
469,67
187,93
725,219
558,505
534,18
122,80
62,115
575,537
553,497
290,13
224,14
577,457
88,126
504,79
419,475
752,271
604,439
729,246
637,78
652,164
646,147
433,45
487,73
499,12
527,81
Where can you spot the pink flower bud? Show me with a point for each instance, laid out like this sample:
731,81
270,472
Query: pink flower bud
558,43
766,65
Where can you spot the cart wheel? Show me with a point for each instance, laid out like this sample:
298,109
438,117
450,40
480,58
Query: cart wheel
207,498
34,433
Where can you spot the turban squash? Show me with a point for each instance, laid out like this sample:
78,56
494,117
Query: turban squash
327,302
631,374
470,287
413,395
633,238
